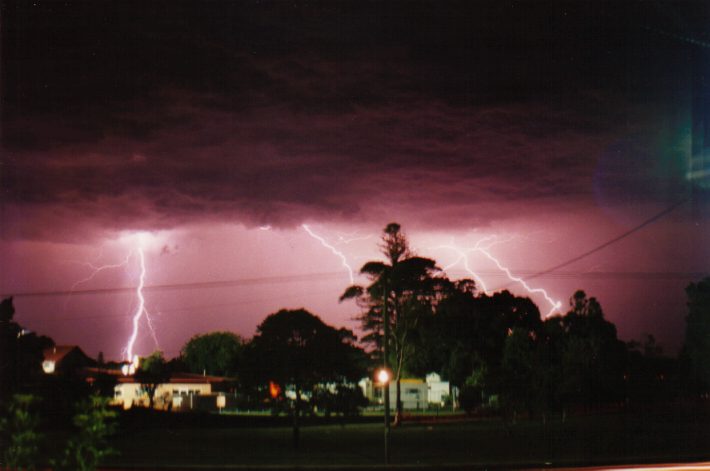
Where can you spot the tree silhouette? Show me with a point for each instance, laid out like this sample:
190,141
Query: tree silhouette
466,337
696,347
408,284
152,372
20,354
593,359
216,353
296,349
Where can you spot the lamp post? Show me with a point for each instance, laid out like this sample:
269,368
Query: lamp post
383,378
384,372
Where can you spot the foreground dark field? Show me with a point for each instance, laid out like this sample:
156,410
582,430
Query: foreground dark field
675,434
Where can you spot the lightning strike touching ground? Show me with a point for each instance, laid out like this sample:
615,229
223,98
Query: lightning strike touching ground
140,311
335,251
479,247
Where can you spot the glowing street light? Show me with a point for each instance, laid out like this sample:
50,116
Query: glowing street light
221,402
384,373
383,376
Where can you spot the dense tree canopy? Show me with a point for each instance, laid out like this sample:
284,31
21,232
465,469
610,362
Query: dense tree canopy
295,349
215,353
696,348
466,337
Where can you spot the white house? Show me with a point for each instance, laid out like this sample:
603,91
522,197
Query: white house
415,393
183,391
438,390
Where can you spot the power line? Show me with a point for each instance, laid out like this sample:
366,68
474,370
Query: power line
209,307
171,286
315,276
597,275
616,239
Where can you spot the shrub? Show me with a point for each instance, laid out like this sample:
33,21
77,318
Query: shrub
19,430
94,425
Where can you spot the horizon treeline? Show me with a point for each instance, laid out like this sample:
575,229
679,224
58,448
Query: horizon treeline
496,350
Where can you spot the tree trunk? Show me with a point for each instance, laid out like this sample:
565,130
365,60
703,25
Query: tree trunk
151,397
296,413
398,413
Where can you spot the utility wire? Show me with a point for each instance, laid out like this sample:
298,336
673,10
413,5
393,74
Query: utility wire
170,286
314,276
616,239
206,309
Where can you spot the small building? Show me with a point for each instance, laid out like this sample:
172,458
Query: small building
183,391
65,359
438,390
414,392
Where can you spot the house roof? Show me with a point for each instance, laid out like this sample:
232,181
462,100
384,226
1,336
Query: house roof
411,381
58,352
180,378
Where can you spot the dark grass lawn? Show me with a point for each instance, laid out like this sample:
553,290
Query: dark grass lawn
610,438
162,440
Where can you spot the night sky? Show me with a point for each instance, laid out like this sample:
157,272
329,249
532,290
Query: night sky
204,135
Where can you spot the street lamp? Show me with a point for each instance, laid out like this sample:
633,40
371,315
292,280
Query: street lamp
383,377
384,372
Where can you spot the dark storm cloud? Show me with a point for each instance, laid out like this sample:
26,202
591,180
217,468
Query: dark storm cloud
279,166
152,116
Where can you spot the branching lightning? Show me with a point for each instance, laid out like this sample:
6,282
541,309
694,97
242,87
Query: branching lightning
98,269
335,251
95,270
141,310
349,238
463,258
483,246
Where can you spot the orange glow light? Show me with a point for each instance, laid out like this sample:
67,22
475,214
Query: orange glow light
274,389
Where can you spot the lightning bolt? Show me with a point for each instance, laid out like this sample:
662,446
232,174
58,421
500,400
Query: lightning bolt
139,312
479,247
349,238
463,257
98,269
335,251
